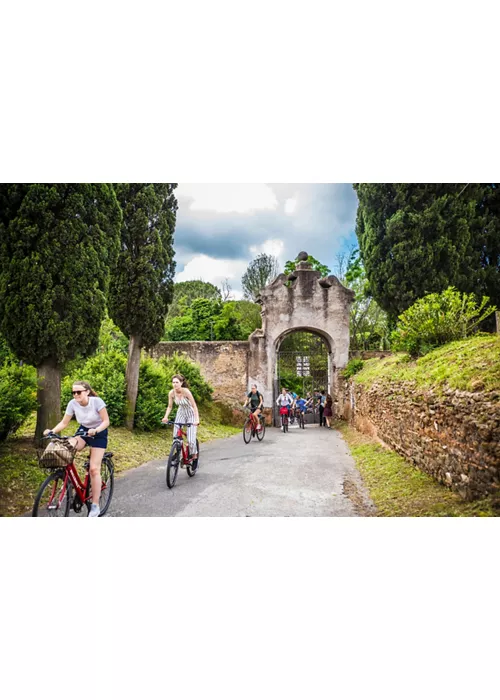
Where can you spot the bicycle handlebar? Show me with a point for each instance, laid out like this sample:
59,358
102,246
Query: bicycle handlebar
54,436
171,422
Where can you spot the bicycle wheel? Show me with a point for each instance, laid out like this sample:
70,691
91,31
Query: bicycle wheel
286,424
54,497
247,430
174,459
107,485
261,432
193,467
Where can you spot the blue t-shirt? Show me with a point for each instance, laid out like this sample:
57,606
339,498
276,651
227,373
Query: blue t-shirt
301,403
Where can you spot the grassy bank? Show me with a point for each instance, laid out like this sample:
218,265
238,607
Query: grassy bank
399,489
20,476
469,365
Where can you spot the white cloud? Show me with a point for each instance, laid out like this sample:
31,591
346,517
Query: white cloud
216,271
228,198
290,205
273,246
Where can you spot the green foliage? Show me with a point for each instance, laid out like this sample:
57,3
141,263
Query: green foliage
438,319
186,292
57,243
416,239
211,319
180,364
369,326
105,372
142,280
467,365
111,337
17,396
290,266
353,367
238,320
260,272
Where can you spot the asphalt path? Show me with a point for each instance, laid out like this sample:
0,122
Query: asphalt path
302,473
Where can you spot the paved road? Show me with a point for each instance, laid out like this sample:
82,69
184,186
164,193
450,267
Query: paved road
304,473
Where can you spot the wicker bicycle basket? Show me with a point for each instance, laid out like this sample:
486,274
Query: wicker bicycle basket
57,454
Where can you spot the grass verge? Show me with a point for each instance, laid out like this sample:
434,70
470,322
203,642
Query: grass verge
20,475
399,489
472,364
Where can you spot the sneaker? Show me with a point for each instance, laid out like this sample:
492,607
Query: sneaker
95,511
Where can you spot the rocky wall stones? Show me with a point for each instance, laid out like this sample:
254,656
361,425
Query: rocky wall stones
452,435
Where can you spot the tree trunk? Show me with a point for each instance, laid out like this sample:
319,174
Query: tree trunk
132,379
48,397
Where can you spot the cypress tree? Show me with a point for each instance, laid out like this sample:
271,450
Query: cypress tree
142,281
57,242
417,239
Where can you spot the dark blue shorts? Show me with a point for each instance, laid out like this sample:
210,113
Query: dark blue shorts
100,440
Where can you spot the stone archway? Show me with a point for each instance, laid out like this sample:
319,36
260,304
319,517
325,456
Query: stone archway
300,301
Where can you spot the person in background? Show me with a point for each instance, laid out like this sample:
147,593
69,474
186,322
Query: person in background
321,407
328,411
255,399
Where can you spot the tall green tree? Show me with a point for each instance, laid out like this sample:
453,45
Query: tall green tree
142,280
260,272
57,243
421,238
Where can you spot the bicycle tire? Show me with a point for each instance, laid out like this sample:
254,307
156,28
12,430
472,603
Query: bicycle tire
174,459
193,467
262,431
108,478
247,430
63,512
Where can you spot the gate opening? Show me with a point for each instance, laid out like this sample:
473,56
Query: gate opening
302,366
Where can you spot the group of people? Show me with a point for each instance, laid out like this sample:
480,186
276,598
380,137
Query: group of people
289,401
91,413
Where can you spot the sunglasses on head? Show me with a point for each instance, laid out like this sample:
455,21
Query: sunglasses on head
77,393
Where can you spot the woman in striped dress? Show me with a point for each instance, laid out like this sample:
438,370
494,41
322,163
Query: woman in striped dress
187,411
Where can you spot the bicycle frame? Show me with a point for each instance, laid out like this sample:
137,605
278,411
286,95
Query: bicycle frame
179,437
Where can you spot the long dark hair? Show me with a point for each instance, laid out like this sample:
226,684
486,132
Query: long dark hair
182,380
86,386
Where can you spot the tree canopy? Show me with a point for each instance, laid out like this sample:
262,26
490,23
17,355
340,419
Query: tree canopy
142,282
57,242
421,238
186,292
259,273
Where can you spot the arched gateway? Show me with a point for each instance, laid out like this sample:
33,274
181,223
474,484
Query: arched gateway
302,301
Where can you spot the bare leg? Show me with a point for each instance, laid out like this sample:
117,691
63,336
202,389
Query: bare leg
96,455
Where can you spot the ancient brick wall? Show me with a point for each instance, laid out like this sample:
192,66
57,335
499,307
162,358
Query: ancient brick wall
453,436
224,364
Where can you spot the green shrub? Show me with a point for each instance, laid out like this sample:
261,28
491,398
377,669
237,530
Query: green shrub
353,367
437,319
152,399
180,364
105,372
17,396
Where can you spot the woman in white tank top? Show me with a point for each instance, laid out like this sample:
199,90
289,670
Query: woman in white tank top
187,411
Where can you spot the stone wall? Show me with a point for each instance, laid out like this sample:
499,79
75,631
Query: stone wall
454,437
224,364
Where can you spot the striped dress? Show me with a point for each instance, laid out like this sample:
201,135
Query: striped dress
185,414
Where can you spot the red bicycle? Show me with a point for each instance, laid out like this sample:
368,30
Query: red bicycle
251,427
55,497
179,454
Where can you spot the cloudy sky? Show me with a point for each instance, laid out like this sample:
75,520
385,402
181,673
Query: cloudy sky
221,228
